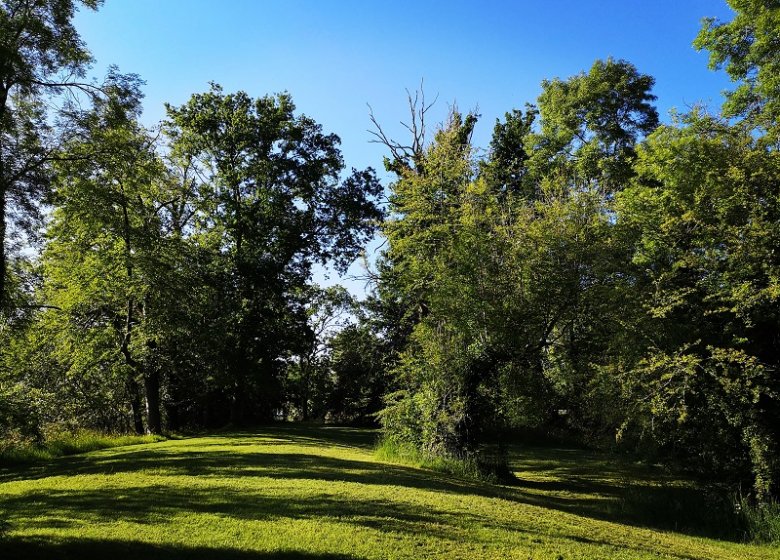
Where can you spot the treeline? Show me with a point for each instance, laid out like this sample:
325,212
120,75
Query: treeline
598,275
172,284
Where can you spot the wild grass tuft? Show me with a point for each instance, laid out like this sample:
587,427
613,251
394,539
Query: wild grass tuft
58,442
760,521
469,468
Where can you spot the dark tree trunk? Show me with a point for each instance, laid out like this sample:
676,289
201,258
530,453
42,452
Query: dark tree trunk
151,380
136,400
172,405
238,405
306,379
239,400
3,202
136,405
2,240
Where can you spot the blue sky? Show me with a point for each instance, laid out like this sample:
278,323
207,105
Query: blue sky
336,57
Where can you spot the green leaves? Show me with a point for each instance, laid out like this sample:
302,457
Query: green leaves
747,47
704,216
41,54
590,123
271,203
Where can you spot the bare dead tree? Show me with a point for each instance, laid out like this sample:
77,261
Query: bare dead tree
409,156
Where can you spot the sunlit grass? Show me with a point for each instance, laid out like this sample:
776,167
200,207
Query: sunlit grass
289,492
406,454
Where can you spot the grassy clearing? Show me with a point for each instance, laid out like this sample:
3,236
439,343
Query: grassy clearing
61,443
304,493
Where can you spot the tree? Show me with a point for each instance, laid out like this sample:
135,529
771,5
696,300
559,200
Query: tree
704,217
507,268
507,165
41,54
308,382
272,206
107,251
747,48
359,362
590,123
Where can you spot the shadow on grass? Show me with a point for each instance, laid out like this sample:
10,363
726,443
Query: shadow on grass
310,434
573,482
85,549
152,504
636,494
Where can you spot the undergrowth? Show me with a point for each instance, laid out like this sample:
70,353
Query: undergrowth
760,521
57,443
478,469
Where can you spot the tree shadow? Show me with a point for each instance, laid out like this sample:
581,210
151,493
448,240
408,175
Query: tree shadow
147,505
572,482
86,549
308,434
613,488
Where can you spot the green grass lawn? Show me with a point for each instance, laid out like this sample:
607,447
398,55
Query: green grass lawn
295,492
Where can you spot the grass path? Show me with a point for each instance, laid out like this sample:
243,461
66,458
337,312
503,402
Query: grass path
306,493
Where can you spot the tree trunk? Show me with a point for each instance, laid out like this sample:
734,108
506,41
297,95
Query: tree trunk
136,405
3,202
152,387
238,405
239,400
172,405
2,240
305,380
151,380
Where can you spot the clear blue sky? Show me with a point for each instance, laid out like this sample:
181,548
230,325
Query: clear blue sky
335,57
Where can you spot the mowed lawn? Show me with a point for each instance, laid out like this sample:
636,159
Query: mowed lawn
296,492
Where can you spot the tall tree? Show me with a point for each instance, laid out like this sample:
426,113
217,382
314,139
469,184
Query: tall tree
590,124
506,268
41,54
273,206
507,164
107,253
704,218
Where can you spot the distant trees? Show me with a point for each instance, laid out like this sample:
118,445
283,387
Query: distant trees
271,205
152,251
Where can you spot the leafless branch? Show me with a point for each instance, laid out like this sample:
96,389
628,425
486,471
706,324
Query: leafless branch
408,156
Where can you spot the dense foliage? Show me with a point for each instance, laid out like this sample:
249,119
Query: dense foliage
597,275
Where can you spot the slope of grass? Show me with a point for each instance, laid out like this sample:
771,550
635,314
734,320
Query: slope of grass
304,493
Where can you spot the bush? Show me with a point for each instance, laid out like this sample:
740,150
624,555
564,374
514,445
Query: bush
20,413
